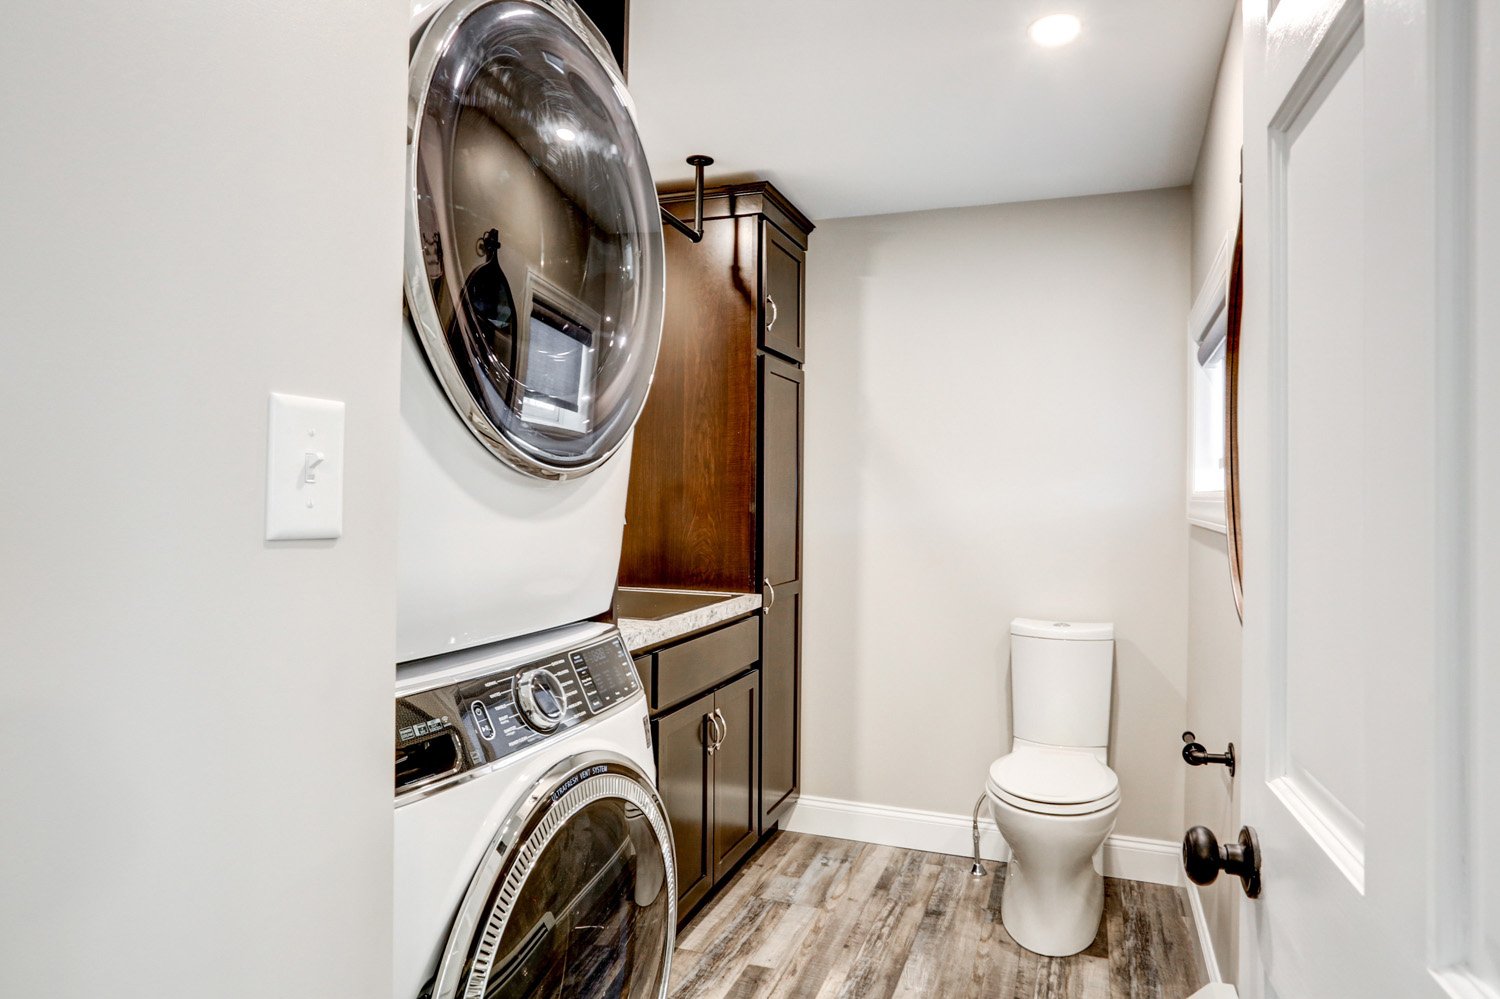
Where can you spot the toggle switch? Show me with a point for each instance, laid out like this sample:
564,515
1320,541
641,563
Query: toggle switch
310,462
304,468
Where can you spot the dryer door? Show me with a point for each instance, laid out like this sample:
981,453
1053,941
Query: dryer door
534,273
576,896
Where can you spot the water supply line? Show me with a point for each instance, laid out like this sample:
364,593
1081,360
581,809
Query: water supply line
978,870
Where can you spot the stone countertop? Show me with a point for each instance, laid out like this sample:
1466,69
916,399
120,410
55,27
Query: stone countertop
640,633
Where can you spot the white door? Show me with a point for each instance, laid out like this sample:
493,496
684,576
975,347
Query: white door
1369,445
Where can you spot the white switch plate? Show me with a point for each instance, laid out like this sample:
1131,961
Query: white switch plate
304,468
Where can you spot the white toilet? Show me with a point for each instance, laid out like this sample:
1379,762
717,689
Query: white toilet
1053,797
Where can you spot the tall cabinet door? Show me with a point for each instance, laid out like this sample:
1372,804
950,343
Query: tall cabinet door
736,805
780,500
781,285
780,689
684,776
781,403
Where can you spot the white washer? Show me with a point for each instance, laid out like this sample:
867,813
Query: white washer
533,855
534,288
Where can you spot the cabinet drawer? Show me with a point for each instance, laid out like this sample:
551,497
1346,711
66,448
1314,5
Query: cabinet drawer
704,662
645,668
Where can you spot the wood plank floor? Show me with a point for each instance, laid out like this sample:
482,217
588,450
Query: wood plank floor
815,917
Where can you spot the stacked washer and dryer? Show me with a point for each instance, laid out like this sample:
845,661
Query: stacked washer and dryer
533,856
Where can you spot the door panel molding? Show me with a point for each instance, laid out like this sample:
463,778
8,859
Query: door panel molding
1331,822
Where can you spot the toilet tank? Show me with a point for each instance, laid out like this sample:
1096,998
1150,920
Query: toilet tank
1060,681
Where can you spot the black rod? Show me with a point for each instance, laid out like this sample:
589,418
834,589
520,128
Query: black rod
695,232
681,226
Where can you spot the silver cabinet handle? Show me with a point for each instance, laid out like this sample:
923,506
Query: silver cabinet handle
711,742
723,728
766,609
774,313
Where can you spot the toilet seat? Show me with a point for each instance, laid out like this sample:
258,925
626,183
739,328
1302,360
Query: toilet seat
1053,781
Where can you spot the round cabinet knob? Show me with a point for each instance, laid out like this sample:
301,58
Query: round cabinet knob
1203,858
541,700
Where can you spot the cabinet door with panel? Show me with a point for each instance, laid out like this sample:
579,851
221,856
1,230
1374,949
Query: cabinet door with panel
736,805
782,265
780,499
684,776
780,686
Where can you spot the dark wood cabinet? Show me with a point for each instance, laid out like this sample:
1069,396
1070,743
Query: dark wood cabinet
715,502
782,292
684,776
708,755
780,536
780,501
690,511
697,468
736,811
781,703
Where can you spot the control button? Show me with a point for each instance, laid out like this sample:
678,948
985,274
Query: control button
541,699
482,720
546,701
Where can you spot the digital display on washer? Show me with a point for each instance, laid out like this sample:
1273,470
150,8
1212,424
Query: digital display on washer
606,673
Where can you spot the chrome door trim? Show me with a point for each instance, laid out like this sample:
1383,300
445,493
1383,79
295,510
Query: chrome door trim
520,829
431,41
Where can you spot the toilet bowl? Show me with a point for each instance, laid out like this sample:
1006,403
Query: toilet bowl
1053,796
1054,894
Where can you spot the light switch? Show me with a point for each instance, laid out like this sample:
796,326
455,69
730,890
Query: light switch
304,468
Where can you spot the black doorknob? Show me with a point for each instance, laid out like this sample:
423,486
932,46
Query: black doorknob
1203,858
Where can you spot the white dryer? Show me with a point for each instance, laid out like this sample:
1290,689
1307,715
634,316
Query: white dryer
534,287
533,856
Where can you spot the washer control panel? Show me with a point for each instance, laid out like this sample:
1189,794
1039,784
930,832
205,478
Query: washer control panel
445,731
606,674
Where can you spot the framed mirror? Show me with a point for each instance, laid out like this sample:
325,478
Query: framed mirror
1213,474
1232,521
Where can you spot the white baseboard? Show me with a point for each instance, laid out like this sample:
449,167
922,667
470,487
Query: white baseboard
1205,939
1131,857
1135,858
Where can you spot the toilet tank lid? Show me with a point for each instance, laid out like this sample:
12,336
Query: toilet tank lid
1076,631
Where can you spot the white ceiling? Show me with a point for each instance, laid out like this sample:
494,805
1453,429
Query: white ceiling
860,107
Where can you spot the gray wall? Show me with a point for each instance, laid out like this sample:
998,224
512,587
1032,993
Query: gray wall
1213,706
994,430
206,207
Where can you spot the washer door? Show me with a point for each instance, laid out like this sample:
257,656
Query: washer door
534,271
576,897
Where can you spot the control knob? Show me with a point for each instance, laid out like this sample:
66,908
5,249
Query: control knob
541,700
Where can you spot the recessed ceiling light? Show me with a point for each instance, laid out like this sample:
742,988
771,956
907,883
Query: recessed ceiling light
566,134
1055,29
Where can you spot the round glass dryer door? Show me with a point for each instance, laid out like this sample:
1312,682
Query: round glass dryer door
534,273
576,897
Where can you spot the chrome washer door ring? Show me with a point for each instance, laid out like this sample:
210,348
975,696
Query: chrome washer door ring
534,268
